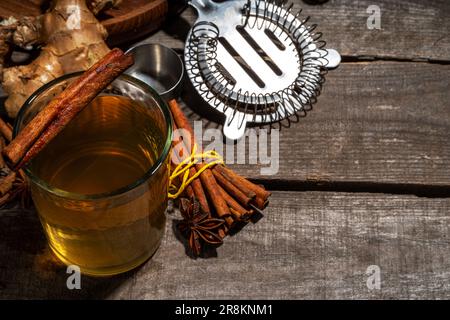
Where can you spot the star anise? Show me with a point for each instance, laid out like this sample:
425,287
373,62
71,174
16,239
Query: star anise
21,190
198,227
17,189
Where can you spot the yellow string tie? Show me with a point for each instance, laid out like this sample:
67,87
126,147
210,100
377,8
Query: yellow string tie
183,169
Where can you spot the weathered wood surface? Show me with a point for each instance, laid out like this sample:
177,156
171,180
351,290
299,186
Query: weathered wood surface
377,125
308,245
413,29
378,122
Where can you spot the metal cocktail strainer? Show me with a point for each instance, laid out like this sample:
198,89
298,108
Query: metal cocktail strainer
255,61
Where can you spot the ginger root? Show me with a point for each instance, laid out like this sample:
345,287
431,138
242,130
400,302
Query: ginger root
72,40
7,28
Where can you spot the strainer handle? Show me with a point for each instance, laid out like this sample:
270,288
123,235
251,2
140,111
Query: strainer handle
203,6
333,59
234,126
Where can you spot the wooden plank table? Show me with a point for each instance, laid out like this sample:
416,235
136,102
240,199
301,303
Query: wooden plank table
363,180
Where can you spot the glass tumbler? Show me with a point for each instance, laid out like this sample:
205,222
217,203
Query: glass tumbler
100,186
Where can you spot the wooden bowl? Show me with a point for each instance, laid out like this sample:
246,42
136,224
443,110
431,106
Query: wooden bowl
130,20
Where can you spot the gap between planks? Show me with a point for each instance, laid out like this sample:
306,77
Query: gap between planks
369,59
419,190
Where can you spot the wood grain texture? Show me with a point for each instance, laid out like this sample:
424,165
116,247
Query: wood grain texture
308,245
413,29
20,8
380,122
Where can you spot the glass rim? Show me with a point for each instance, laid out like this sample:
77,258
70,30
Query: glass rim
162,105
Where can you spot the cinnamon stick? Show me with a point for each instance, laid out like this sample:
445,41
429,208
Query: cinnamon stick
5,130
238,211
232,189
259,202
189,191
6,135
196,188
223,232
229,221
57,114
6,183
209,182
239,182
2,146
199,192
182,122
4,199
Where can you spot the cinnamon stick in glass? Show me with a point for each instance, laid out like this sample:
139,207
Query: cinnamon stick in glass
57,114
5,130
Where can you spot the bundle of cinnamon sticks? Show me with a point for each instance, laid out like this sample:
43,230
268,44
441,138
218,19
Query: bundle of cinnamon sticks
219,190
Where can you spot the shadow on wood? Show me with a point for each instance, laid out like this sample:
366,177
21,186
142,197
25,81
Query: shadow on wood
28,270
